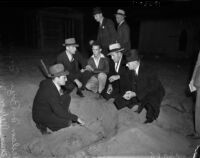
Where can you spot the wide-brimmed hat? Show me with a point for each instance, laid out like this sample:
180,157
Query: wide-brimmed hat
57,70
132,55
97,10
116,47
70,42
121,12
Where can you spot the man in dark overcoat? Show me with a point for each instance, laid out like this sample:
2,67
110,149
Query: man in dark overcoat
74,62
146,87
123,30
106,33
117,81
51,104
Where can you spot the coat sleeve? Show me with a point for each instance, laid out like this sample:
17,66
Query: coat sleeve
112,31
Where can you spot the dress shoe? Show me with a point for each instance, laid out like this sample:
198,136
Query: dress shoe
148,121
79,93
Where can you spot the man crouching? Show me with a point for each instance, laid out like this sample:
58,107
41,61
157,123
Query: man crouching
51,103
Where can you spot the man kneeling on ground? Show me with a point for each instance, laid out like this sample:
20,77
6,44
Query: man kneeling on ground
51,103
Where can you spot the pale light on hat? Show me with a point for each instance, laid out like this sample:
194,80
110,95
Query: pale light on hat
57,70
116,47
120,12
70,42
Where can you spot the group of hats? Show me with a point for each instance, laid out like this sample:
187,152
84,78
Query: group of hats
98,10
58,69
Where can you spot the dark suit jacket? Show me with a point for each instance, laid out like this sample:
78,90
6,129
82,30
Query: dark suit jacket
74,66
148,87
106,34
50,109
123,35
119,86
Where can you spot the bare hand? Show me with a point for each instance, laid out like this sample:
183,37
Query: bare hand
81,121
91,42
128,95
110,89
78,83
114,78
89,68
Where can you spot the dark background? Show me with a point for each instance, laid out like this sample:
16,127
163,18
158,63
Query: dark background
12,14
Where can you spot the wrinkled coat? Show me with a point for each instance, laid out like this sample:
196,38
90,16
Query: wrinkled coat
106,35
50,108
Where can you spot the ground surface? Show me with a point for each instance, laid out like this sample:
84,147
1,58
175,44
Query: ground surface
107,132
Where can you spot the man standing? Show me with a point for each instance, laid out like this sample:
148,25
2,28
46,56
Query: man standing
123,30
106,33
99,66
51,103
146,87
71,58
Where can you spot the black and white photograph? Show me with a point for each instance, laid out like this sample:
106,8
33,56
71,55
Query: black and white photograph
99,79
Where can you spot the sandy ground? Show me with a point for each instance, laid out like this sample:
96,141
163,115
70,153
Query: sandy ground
107,133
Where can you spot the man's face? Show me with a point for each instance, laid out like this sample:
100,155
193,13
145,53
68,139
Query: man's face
96,50
71,49
132,65
97,17
61,80
119,18
115,56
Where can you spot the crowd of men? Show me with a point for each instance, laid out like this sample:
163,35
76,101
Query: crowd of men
113,71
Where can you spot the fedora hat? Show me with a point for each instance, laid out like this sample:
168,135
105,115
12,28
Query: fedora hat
70,42
57,70
97,10
132,55
116,47
121,12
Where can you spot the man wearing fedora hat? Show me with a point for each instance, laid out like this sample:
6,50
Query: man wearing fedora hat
146,87
72,59
51,103
123,30
106,33
117,77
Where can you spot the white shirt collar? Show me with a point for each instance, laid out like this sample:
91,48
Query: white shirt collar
118,64
96,61
57,86
121,22
70,56
137,69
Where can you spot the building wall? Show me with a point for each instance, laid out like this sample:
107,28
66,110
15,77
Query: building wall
168,37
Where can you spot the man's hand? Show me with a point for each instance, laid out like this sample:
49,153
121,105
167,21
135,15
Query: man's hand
110,89
91,42
81,121
129,94
89,68
113,78
78,83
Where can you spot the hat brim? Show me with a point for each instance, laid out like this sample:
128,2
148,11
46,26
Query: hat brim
60,74
75,45
115,51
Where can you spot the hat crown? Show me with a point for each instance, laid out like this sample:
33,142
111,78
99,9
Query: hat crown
121,12
132,55
70,41
57,70
114,46
97,10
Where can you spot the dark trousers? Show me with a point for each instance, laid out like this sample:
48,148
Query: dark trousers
120,102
